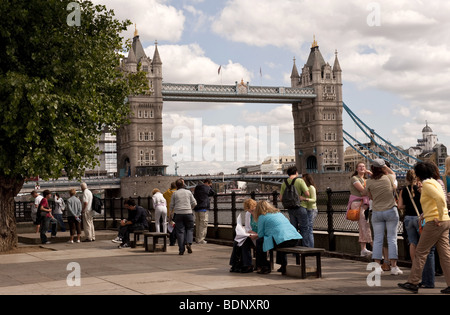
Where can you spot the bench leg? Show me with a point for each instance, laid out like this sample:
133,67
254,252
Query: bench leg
303,266
165,244
146,243
319,266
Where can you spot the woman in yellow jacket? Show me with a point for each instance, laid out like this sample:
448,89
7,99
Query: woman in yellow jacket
435,231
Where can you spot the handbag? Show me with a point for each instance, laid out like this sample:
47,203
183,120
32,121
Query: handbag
421,221
354,213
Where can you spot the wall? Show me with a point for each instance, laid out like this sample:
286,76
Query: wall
143,186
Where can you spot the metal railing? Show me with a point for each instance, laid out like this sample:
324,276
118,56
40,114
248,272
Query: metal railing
225,208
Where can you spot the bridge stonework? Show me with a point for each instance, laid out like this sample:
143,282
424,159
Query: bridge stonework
318,123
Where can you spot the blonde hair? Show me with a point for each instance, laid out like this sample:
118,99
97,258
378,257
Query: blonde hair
249,203
263,208
156,190
447,166
73,192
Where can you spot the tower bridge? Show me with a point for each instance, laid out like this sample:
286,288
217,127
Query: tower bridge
315,95
317,110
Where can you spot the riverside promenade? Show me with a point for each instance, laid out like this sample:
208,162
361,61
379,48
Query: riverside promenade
103,269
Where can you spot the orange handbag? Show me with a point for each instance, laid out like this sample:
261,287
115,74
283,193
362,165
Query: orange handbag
353,213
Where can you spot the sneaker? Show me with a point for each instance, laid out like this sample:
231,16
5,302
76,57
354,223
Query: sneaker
396,271
366,253
117,240
70,242
189,248
124,245
409,287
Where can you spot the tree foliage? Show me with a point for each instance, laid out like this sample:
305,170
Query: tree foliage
59,86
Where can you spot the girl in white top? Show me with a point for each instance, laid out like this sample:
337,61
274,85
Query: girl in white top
160,205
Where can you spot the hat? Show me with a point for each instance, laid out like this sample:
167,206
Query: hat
378,163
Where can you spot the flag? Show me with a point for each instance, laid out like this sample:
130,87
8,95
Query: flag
220,69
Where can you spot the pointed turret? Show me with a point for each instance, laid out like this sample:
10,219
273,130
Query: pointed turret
137,47
295,77
337,71
156,57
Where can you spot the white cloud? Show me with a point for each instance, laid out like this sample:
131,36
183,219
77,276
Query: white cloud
402,111
155,19
408,54
189,64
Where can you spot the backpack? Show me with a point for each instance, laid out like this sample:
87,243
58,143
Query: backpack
291,198
97,204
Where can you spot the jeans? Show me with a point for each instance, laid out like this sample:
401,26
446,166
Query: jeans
45,223
311,215
62,226
299,219
184,226
382,220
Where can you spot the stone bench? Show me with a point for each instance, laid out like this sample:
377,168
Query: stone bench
301,253
156,236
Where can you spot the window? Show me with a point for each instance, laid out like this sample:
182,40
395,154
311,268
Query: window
146,136
145,114
141,136
152,113
139,114
152,136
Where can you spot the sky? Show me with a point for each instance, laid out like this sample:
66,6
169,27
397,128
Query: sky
394,56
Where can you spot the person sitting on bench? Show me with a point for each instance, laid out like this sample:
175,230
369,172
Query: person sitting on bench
137,221
275,231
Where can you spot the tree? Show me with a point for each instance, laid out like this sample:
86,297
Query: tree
60,85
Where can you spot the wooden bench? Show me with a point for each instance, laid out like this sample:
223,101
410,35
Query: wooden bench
301,253
156,236
136,235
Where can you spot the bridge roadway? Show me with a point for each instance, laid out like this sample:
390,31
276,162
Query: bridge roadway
114,183
239,93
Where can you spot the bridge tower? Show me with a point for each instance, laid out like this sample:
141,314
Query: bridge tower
140,143
318,125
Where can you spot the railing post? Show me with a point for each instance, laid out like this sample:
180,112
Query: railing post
233,212
104,214
216,217
275,199
330,229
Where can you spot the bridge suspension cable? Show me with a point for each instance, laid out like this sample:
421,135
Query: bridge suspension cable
393,154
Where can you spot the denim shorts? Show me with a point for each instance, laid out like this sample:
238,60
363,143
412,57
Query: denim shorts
412,229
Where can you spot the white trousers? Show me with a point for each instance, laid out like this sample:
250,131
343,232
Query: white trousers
161,211
88,225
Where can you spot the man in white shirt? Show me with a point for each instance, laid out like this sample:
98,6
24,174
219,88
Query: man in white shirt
88,214
37,201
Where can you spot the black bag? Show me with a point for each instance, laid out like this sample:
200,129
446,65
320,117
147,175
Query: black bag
97,204
291,199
